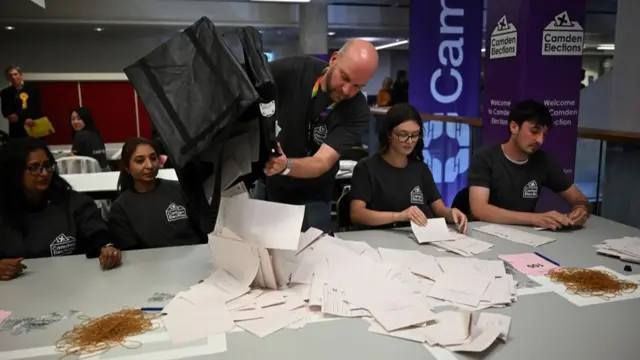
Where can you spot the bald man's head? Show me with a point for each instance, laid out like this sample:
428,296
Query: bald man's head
350,68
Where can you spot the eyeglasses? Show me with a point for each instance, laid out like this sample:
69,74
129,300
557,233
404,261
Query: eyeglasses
406,137
37,169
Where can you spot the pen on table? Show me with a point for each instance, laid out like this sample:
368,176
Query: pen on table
151,308
546,258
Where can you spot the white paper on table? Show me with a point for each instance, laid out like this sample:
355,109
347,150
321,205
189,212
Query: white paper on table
580,300
479,340
228,287
186,322
435,230
269,298
334,302
502,322
499,291
297,290
308,264
235,257
413,333
514,235
269,325
263,223
247,300
450,328
266,269
415,312
467,290
307,238
466,246
359,246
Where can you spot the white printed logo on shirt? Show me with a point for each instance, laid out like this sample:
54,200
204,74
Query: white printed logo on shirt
416,196
176,212
63,245
530,190
268,109
320,134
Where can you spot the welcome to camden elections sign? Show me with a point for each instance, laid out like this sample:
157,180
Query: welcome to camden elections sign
534,50
444,70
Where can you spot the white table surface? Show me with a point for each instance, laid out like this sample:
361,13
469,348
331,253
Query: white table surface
113,150
106,181
544,326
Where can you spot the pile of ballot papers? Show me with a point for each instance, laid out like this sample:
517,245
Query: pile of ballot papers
626,248
263,281
436,233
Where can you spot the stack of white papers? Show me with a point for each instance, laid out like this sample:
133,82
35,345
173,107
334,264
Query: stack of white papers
514,235
463,245
626,248
435,230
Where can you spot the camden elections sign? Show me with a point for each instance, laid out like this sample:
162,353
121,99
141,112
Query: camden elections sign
444,78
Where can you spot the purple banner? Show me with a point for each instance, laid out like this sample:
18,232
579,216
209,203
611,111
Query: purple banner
444,78
323,57
534,51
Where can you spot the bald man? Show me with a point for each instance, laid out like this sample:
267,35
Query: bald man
321,113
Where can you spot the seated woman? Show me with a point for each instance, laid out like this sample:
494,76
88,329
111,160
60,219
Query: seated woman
395,185
150,212
41,216
86,137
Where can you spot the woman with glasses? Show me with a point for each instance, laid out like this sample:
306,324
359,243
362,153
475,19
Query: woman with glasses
41,216
150,212
395,186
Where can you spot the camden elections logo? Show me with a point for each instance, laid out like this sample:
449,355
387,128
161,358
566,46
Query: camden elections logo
530,190
63,245
416,196
562,37
175,212
504,40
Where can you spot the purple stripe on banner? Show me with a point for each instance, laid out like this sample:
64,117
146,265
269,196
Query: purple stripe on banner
444,73
534,51
323,57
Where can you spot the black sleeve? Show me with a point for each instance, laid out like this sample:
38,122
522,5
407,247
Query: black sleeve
431,192
79,146
5,101
353,122
193,220
93,233
480,170
361,188
281,70
120,228
556,179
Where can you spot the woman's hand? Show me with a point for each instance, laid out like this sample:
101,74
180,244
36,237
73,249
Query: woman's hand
10,268
413,213
460,219
110,257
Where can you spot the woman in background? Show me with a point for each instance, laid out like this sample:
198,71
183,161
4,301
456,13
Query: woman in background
86,137
150,212
41,216
384,95
395,185
400,90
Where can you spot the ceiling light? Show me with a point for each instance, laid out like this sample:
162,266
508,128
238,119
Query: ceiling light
606,47
9,28
99,29
393,44
331,33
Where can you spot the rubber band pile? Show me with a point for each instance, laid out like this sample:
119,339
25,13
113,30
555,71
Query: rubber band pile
589,282
98,335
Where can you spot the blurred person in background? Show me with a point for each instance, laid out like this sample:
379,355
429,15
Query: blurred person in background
400,90
21,102
86,137
384,95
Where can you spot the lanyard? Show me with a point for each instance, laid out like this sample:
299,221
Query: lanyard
311,144
314,93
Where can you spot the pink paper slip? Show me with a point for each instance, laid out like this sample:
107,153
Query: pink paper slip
529,264
4,315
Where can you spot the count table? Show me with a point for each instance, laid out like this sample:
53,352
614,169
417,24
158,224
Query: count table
544,326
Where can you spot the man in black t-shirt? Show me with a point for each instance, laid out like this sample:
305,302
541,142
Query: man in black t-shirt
321,113
505,181
21,102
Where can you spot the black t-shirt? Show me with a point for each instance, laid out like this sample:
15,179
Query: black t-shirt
69,225
514,186
156,219
295,109
384,187
90,144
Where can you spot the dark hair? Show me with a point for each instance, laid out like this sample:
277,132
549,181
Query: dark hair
13,162
125,180
85,115
396,115
9,68
531,111
401,74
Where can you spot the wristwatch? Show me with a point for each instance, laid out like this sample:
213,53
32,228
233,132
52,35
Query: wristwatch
287,170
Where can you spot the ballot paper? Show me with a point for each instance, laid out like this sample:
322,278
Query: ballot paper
529,263
626,248
435,230
514,235
464,245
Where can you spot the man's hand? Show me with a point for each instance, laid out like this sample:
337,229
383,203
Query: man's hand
29,122
10,268
552,220
413,213
12,118
110,257
579,215
276,165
